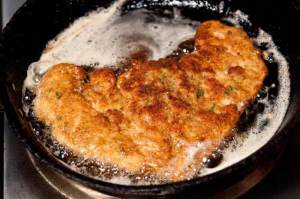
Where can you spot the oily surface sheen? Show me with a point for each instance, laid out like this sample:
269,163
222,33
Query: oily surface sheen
158,117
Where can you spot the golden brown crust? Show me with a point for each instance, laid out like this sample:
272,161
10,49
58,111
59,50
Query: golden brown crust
160,116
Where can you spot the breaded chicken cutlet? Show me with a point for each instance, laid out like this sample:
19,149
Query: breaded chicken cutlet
158,117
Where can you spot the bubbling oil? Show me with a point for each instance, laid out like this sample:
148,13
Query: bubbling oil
106,38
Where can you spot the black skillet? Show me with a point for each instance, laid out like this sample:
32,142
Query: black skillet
38,21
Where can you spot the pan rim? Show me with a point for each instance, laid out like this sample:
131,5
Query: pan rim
172,188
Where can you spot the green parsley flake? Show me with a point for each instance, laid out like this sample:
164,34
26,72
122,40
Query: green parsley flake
58,94
228,90
199,92
212,108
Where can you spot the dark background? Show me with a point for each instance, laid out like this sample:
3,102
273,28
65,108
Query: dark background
22,181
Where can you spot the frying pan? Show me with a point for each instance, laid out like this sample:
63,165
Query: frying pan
38,21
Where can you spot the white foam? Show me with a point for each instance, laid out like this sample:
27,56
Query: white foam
189,3
238,17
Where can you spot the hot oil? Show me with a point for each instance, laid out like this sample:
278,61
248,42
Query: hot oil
104,38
